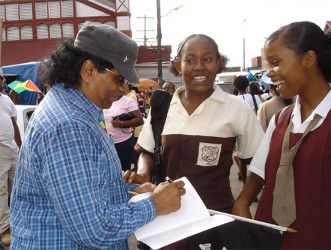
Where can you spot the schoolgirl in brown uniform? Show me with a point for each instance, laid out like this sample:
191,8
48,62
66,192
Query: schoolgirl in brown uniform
201,129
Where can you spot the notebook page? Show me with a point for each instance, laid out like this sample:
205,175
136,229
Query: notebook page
192,209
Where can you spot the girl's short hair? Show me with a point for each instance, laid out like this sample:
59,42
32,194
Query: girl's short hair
222,58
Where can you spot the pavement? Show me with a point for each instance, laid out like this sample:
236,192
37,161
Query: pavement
236,186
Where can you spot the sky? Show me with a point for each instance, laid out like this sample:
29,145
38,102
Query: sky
228,22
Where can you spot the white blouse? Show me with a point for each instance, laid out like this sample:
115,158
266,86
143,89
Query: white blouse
257,165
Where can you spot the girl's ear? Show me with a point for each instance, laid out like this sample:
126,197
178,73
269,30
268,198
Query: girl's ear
176,64
309,59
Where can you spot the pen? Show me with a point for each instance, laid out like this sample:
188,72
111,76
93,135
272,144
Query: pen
133,193
291,230
280,228
168,179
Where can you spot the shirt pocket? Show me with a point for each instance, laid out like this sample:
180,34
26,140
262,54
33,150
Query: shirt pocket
208,154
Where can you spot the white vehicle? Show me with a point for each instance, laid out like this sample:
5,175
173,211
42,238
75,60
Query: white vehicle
228,77
24,113
227,87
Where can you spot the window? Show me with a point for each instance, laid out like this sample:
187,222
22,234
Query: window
42,31
13,33
3,35
54,9
67,8
26,11
12,12
123,23
41,10
2,12
68,30
55,30
26,33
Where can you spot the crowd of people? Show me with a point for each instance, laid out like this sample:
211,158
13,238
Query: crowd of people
90,143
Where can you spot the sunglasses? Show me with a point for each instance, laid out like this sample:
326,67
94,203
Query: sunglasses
121,81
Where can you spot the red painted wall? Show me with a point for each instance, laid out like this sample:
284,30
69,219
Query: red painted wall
16,52
149,53
26,51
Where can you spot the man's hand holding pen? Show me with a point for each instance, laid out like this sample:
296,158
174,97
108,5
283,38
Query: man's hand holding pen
167,197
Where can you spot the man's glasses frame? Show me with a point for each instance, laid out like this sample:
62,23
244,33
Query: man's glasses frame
121,80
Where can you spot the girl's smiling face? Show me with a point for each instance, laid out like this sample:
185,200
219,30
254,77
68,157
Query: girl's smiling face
286,69
198,64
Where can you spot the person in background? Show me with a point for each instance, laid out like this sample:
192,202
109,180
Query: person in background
235,156
201,129
301,68
148,95
254,89
241,83
270,107
131,92
3,89
169,87
68,191
122,130
141,103
3,85
235,91
10,142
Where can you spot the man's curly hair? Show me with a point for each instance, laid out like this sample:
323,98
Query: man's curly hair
64,65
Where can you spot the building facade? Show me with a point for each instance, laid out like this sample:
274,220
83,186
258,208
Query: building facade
31,28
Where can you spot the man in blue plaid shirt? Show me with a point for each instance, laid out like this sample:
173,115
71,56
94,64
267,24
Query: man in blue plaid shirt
68,190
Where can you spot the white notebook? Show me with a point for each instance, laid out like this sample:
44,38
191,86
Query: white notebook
193,217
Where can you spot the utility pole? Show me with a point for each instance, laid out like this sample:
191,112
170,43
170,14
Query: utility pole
244,47
145,29
244,55
159,37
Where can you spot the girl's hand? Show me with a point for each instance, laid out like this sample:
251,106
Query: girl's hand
146,187
133,177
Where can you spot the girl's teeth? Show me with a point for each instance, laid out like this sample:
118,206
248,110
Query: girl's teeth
200,78
279,82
